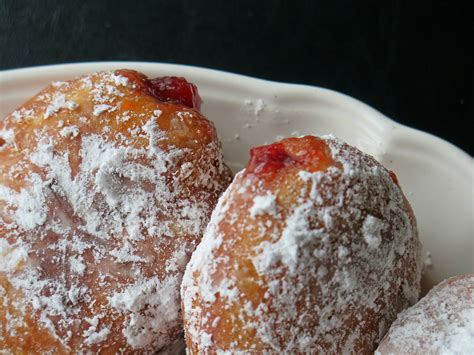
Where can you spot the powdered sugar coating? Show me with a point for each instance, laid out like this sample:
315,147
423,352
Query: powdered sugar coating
263,204
442,322
104,194
326,272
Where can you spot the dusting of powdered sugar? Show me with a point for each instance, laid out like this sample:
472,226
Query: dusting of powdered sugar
70,131
440,323
11,256
30,203
95,235
59,102
263,204
348,236
92,335
98,109
7,135
148,304
372,231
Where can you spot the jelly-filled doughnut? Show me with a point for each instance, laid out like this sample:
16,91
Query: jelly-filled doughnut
442,322
312,248
107,183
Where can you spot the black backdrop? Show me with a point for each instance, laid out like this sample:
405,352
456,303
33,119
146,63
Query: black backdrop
409,59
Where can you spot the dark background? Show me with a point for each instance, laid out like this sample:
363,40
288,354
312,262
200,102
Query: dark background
409,59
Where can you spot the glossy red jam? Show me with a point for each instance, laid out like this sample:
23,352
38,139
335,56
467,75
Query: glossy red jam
171,89
394,177
268,158
308,153
177,90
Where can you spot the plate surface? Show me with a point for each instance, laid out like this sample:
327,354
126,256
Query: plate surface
437,177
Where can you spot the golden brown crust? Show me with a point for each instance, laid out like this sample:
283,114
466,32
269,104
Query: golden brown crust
303,259
104,193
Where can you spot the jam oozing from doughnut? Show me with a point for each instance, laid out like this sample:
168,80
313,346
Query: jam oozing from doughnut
176,89
394,177
308,153
171,89
268,158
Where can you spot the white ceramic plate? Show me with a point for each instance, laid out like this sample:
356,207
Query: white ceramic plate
436,176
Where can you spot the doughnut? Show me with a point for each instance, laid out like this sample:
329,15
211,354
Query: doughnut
107,183
442,322
313,248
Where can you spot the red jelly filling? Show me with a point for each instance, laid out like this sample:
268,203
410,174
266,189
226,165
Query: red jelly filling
268,158
308,153
171,89
176,90
394,177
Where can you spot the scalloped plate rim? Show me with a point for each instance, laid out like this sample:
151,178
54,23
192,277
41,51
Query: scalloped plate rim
10,74
453,159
